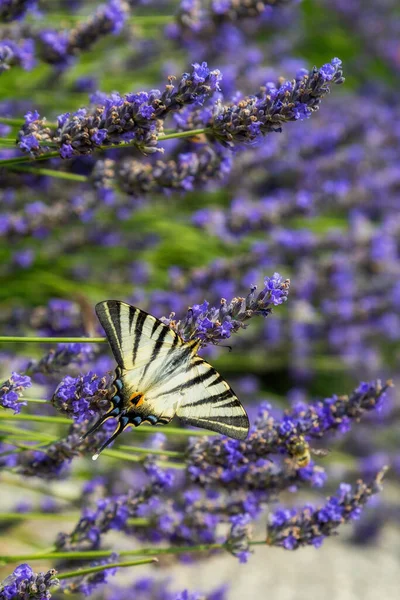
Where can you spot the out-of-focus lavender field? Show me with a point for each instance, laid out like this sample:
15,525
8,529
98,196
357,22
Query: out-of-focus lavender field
232,167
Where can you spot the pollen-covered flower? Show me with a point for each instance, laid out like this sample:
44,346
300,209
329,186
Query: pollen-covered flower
212,324
25,583
292,529
12,390
265,112
82,397
135,117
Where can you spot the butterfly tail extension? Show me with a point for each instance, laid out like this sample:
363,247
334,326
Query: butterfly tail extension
122,424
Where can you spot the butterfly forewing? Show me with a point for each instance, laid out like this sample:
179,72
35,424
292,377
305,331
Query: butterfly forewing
136,338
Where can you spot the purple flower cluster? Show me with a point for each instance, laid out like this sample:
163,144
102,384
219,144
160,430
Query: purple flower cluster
201,19
15,9
24,583
60,47
52,461
13,53
191,170
228,460
212,325
82,397
112,513
292,529
253,116
62,356
12,390
239,537
87,584
134,118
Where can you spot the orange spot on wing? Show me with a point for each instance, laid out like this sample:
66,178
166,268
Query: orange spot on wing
136,399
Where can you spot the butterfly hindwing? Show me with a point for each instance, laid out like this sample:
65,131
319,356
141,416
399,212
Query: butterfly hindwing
210,402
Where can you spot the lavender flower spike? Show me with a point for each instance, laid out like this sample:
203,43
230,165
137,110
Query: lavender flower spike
212,325
11,391
24,583
133,117
291,529
60,47
14,9
217,459
274,105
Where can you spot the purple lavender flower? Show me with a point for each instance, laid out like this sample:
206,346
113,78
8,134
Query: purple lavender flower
15,9
21,54
110,514
267,111
82,397
63,355
12,390
59,48
191,170
133,117
24,583
310,526
239,537
87,584
213,459
211,324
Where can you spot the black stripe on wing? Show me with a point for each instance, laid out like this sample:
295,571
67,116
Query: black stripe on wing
215,400
210,402
156,350
108,314
236,427
140,321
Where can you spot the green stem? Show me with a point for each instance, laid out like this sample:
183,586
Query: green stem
94,554
34,436
181,134
139,521
38,516
51,173
13,481
36,400
169,136
36,418
140,450
52,340
12,122
142,429
81,572
6,162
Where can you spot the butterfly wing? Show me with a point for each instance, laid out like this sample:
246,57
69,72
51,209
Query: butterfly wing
152,361
209,402
136,338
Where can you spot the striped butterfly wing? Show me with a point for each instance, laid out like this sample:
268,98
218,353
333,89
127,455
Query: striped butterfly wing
136,338
152,360
210,402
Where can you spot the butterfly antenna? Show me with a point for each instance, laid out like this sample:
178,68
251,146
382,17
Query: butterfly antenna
122,423
225,346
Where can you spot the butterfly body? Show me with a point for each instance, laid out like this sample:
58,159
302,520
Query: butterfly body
159,375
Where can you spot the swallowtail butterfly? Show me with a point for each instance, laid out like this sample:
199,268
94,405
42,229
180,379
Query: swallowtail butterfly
159,375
